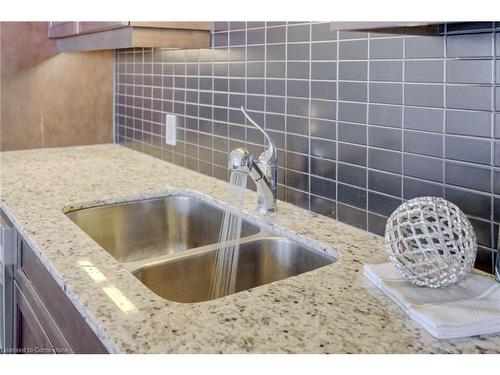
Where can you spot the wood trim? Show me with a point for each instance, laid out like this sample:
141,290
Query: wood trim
97,26
175,25
150,37
130,37
76,332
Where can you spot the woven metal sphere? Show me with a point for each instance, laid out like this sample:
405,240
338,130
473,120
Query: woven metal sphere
431,242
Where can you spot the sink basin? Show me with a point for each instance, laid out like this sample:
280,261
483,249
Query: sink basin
144,229
170,244
261,261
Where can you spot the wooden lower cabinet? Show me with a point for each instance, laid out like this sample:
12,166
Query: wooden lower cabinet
45,321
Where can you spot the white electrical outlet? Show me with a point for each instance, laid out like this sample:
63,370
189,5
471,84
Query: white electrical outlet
171,129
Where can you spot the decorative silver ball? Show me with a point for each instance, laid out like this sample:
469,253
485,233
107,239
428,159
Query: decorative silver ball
431,242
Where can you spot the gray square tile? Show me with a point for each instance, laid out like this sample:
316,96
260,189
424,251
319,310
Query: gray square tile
352,133
497,94
469,45
469,97
275,69
298,51
353,70
386,138
385,160
298,33
413,188
256,36
275,87
324,90
469,176
385,115
352,196
323,109
497,124
297,180
321,31
322,128
352,112
388,93
352,35
423,167
296,69
297,107
352,154
385,183
353,50
324,51
237,38
390,48
323,168
376,224
352,216
468,149
497,74
470,203
255,69
382,204
323,70
386,71
297,197
297,143
323,148
275,104
424,95
275,52
297,125
297,88
324,207
469,71
424,47
352,174
276,35
353,91
427,119
424,71
323,188
254,86
497,43
423,143
468,123
256,53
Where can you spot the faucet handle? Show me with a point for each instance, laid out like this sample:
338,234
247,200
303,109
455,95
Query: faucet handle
270,154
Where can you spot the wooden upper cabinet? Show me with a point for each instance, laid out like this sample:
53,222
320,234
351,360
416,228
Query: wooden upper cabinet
99,35
415,28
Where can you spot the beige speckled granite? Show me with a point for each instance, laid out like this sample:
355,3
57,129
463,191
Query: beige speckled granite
333,309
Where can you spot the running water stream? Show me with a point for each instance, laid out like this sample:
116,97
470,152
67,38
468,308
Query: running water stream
226,263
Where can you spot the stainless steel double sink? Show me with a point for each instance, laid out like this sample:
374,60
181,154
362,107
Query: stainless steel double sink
170,244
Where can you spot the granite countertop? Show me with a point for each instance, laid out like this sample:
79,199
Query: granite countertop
333,309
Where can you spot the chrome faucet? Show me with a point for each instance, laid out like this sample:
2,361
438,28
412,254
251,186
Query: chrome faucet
263,170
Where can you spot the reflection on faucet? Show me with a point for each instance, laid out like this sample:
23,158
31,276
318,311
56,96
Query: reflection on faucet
263,170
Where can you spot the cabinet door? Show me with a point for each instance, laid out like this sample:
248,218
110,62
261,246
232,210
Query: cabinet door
29,335
61,29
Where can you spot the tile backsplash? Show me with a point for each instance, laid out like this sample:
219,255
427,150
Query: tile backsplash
362,120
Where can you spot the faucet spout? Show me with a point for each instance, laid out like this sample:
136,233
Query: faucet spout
262,170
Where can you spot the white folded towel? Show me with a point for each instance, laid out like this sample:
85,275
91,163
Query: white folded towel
468,308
